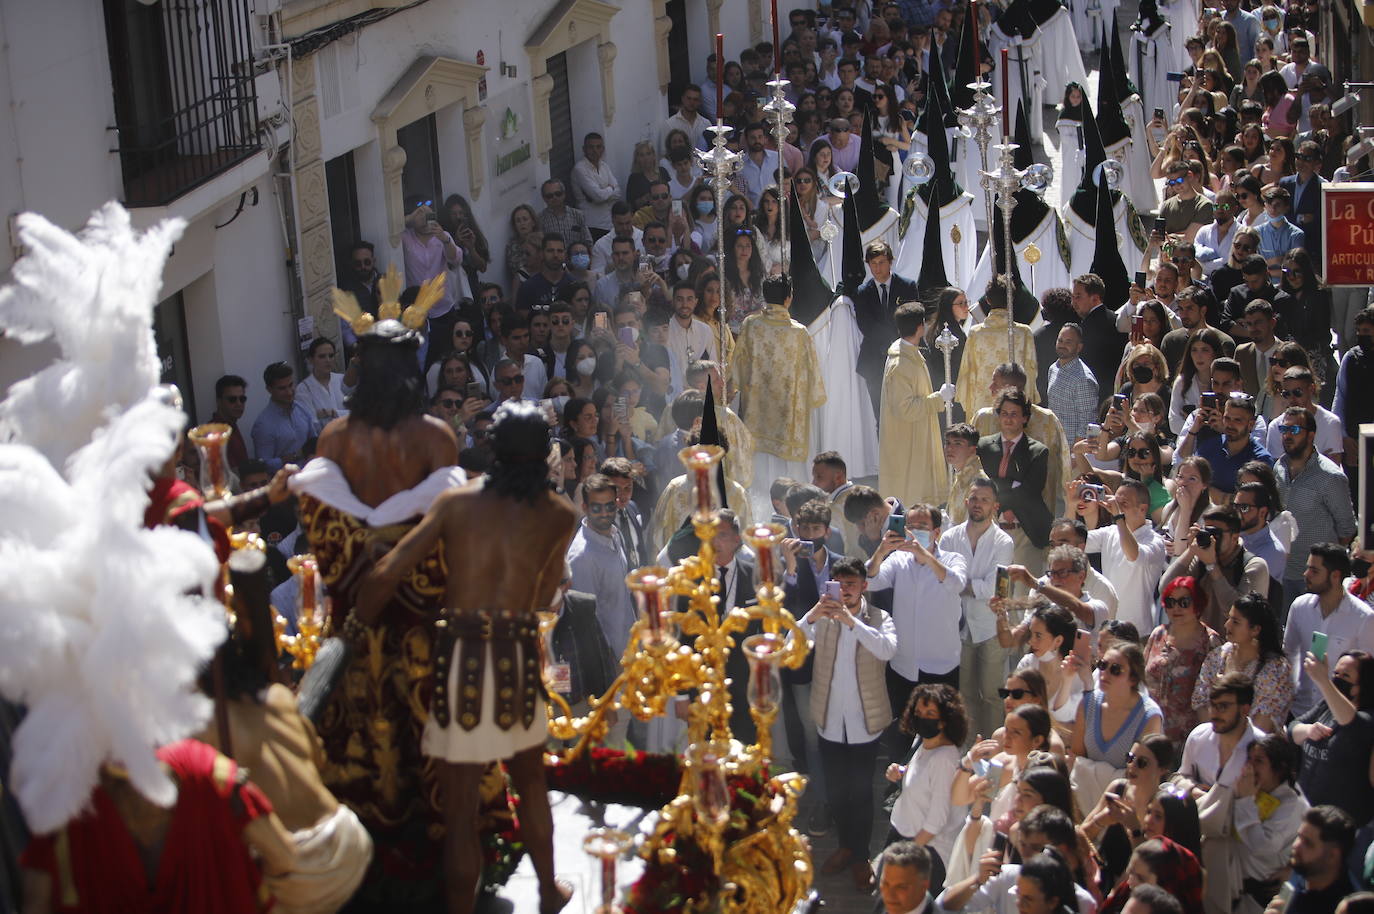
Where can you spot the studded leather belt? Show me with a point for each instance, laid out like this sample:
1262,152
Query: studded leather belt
519,687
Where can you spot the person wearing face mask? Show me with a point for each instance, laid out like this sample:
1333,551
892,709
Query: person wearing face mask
579,263
926,582
923,811
1336,737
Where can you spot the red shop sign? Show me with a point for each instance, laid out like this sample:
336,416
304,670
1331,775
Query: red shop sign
1348,211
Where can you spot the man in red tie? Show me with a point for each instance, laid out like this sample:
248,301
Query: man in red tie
1017,465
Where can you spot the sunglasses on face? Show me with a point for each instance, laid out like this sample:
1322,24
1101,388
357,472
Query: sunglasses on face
541,309
1282,363
607,508
1292,429
1140,761
1178,602
462,333
1114,668
450,404
1016,694
1176,181
1291,393
1138,453
513,379
242,399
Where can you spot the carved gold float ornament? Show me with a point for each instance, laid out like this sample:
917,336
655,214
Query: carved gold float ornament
731,814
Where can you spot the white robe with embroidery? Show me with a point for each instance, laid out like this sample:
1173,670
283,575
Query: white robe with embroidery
1051,272
1082,238
959,259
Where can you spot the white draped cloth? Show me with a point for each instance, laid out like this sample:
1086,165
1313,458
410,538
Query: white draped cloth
1088,17
1148,58
1053,60
1051,272
1082,238
845,421
1070,170
959,259
332,857
1141,188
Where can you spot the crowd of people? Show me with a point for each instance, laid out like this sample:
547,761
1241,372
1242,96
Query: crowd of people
1083,588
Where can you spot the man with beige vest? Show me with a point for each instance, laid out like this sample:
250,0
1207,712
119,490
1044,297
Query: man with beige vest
853,642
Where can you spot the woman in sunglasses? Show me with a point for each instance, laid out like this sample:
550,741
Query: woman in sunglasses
1027,687
1174,653
1254,646
1111,718
1114,824
1270,400
1141,460
1247,190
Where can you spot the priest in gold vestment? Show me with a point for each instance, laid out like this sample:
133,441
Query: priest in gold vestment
911,466
986,348
778,376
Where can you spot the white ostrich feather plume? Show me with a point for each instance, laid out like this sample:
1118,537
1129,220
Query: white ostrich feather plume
98,638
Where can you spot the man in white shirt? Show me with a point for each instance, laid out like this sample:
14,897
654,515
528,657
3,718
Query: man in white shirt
927,581
1214,239
760,166
1299,388
323,391
688,338
1216,751
853,642
982,660
594,185
1133,555
622,226
687,119
1327,607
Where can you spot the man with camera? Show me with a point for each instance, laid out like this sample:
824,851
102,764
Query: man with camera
1217,558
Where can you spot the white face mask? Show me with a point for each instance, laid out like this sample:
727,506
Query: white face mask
586,366
1048,657
683,269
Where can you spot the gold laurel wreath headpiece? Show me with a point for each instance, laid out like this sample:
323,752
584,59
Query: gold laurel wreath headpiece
388,294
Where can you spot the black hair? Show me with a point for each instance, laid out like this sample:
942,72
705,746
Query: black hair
520,444
228,381
1049,870
390,385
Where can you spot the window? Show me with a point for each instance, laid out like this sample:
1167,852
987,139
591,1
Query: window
184,99
344,224
420,177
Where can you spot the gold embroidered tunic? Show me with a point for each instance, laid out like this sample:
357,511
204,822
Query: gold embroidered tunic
779,379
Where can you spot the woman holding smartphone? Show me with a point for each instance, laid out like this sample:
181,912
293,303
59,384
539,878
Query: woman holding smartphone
1113,825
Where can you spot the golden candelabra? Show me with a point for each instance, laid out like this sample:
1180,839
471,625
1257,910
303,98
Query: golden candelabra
312,616
675,650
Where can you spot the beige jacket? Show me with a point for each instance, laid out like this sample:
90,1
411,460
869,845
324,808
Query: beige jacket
872,672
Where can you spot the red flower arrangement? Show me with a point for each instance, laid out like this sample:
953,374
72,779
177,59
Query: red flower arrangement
611,776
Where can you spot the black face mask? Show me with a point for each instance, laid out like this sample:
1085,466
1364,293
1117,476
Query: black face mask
819,543
1343,686
1366,344
926,728
1360,568
1142,374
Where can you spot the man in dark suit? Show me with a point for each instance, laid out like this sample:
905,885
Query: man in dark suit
735,572
583,662
1260,323
628,518
875,301
1305,188
1017,465
1102,342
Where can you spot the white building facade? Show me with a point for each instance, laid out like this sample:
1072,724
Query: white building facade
282,130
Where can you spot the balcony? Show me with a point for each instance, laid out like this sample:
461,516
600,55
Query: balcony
185,100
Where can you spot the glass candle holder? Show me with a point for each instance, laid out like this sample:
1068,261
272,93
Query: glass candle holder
606,845
764,651
763,539
548,620
309,600
211,440
701,461
710,792
647,586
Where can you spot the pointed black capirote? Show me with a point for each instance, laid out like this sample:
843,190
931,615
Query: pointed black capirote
810,292
870,201
852,268
1106,261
